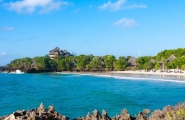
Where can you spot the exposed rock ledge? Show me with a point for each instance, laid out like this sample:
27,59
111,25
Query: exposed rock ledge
40,113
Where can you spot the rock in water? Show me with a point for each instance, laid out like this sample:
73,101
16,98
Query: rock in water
39,113
41,108
51,109
105,116
10,117
143,115
88,116
123,116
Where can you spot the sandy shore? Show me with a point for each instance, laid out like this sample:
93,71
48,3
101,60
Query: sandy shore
131,72
150,73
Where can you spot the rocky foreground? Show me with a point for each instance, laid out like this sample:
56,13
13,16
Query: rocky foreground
40,113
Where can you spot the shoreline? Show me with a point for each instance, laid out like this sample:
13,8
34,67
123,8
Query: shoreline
149,73
116,72
128,73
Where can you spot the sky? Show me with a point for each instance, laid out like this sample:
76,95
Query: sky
30,28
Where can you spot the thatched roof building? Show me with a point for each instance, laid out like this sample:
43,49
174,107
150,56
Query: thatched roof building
102,63
73,63
172,57
34,64
132,61
54,51
152,60
57,52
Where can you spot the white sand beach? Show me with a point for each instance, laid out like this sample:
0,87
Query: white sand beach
152,73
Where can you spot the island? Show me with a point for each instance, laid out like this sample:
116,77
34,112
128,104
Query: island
166,61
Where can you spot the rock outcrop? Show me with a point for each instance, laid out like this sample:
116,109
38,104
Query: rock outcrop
40,113
96,116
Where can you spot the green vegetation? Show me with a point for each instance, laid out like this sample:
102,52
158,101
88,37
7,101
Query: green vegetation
102,63
177,113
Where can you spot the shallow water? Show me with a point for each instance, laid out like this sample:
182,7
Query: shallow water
74,95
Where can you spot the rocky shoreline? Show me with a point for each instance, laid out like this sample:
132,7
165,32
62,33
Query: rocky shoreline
168,113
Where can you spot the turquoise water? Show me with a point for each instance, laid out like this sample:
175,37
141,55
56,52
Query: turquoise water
74,95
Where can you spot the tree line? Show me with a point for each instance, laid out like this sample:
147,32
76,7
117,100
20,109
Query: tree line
101,63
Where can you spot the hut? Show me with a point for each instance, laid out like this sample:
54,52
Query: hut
73,63
132,61
102,63
172,57
34,64
152,61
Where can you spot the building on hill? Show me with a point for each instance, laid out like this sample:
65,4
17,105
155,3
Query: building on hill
56,52
132,61
172,57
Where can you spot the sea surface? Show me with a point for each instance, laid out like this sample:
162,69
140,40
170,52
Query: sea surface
74,95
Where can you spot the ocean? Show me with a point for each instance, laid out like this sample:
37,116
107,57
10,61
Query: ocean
74,95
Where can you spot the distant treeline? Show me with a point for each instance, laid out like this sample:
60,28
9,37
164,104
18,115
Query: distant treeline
100,63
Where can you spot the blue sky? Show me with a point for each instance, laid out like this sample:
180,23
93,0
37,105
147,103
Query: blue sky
30,28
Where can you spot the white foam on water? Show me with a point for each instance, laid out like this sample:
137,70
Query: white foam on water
136,78
16,72
127,78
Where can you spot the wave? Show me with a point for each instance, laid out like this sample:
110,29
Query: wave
136,78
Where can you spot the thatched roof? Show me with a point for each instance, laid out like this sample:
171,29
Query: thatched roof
132,61
152,60
172,57
102,63
57,51
54,51
34,63
73,63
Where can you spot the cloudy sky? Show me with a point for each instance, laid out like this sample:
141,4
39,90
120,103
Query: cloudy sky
31,28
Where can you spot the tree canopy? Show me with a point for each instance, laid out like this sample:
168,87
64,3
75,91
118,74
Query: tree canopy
102,63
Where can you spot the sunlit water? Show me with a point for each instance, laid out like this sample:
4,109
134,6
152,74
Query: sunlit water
74,95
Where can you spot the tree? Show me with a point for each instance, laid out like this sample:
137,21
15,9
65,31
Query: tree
120,64
62,65
43,63
82,61
149,66
109,60
22,63
157,66
97,63
141,61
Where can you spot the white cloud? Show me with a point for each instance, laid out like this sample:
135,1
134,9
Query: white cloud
30,6
126,23
120,4
3,53
134,5
7,28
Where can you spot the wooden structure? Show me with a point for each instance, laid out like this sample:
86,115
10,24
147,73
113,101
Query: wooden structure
56,52
132,61
172,57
